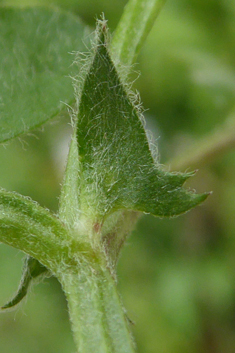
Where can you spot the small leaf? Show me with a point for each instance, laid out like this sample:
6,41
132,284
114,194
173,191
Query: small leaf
35,65
117,169
32,270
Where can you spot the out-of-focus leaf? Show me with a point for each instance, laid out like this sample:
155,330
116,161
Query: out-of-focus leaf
35,64
32,270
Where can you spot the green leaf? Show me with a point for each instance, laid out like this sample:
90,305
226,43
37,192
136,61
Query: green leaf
35,65
134,26
32,270
117,169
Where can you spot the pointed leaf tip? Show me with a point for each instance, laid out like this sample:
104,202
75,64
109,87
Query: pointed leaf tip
32,270
102,32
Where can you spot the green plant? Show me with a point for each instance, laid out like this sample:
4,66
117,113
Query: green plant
111,175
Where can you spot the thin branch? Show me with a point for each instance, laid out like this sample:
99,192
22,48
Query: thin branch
209,148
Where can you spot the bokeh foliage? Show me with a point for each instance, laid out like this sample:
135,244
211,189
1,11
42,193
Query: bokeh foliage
176,276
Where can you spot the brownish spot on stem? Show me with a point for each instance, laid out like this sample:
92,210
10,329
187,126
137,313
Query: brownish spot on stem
97,227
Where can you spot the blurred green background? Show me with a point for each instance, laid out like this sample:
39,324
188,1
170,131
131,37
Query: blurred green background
176,277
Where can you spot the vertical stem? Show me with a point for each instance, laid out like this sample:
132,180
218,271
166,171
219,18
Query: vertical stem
98,320
133,28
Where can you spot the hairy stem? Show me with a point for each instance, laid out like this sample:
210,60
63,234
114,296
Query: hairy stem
97,316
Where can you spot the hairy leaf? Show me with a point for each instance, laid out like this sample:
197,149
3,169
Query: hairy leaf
35,64
117,169
32,270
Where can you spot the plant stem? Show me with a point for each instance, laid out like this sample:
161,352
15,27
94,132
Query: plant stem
207,149
134,26
97,316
